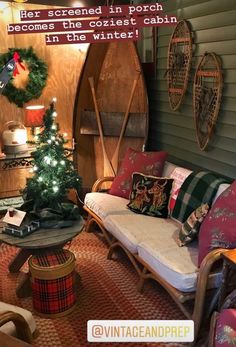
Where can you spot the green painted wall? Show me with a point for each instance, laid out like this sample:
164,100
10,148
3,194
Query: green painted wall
214,30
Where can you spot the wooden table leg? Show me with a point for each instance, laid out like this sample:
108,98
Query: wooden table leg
24,288
19,260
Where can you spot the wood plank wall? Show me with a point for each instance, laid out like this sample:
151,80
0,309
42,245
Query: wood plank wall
64,67
214,30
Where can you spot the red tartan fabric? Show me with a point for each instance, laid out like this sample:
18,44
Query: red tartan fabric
53,296
52,258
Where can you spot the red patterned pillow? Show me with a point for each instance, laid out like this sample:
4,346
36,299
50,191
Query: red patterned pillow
179,175
218,227
225,334
148,163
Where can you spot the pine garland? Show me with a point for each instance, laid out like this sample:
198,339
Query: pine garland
37,77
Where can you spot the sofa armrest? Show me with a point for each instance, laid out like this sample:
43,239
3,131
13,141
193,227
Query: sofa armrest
205,268
22,328
98,184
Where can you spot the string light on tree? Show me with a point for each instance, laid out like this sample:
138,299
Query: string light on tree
47,160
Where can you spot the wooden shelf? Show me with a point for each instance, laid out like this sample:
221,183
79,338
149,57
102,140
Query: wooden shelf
23,159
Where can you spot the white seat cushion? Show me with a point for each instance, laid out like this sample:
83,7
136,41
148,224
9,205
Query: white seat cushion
154,239
9,328
131,229
103,204
177,265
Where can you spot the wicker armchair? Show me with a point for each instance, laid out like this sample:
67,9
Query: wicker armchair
16,321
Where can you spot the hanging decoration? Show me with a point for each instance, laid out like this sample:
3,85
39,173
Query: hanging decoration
36,79
10,68
179,63
207,92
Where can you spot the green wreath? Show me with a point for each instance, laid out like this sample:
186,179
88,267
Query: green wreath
37,77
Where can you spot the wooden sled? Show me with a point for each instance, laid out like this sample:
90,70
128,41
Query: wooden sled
111,109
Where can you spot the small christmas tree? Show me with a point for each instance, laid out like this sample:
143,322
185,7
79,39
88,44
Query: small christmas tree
54,175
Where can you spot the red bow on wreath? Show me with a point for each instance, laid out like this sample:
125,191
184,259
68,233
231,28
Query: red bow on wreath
8,68
17,60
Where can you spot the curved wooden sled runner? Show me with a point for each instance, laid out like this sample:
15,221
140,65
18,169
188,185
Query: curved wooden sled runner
111,109
197,313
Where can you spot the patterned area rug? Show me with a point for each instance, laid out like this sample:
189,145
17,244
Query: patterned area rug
107,291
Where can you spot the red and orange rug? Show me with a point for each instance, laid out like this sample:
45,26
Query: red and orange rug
107,291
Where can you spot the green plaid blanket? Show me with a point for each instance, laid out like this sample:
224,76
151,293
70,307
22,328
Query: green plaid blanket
198,188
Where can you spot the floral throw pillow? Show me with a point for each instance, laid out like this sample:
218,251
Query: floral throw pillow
150,195
148,163
225,335
190,228
218,228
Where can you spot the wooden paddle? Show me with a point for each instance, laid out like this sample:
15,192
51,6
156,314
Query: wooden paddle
108,170
115,157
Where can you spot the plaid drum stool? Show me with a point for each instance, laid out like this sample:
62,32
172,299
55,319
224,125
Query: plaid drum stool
53,282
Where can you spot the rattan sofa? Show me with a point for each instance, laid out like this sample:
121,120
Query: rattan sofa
150,245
